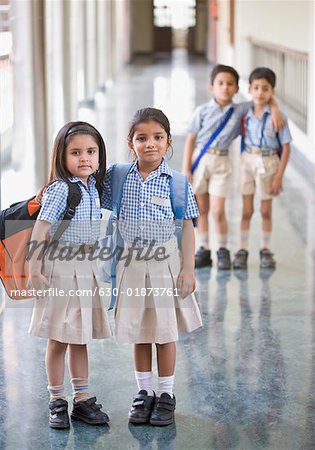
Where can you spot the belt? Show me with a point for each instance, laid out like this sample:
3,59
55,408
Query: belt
217,151
213,151
261,151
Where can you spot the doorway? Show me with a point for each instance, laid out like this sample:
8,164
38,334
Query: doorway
174,23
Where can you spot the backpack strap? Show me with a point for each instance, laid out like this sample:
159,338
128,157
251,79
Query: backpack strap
118,178
279,151
214,135
74,198
243,133
179,200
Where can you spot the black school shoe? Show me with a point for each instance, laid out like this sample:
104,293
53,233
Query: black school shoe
203,258
89,411
240,259
58,414
266,259
141,407
224,259
163,412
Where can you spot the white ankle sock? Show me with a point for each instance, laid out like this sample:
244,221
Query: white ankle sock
144,381
203,240
222,240
56,392
244,240
166,385
265,239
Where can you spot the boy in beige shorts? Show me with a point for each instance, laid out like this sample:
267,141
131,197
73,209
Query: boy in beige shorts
213,127
261,168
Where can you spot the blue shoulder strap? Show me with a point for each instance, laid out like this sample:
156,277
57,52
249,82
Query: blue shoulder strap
179,194
179,200
118,178
243,133
280,145
212,138
265,117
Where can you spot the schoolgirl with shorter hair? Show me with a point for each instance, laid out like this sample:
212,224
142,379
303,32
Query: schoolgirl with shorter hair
155,301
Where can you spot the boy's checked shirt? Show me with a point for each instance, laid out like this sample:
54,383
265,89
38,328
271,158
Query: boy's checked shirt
253,128
207,118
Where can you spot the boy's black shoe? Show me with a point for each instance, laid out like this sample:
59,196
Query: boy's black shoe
141,407
203,258
224,259
89,411
240,259
163,412
58,414
266,259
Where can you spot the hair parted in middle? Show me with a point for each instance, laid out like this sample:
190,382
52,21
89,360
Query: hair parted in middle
146,115
58,170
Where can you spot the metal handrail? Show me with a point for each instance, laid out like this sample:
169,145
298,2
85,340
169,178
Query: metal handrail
291,68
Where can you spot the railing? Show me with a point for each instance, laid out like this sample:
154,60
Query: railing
291,68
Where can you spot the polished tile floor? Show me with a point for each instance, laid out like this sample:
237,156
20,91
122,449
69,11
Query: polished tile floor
246,380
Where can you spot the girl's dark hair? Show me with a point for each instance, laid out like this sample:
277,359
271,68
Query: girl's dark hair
146,115
219,68
263,73
58,169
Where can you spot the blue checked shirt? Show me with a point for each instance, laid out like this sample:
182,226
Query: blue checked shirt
207,118
85,226
253,129
146,213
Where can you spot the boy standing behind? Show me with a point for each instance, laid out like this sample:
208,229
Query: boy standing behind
261,169
216,123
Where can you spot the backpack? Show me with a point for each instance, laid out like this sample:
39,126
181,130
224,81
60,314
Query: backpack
15,237
113,239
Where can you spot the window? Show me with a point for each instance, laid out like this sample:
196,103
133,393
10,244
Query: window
177,14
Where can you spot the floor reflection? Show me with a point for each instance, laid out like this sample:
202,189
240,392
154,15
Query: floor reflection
147,436
259,369
240,385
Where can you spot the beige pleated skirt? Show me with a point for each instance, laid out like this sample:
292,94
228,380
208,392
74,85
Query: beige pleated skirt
79,314
148,309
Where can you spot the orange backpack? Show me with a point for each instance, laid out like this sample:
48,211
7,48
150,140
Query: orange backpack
16,227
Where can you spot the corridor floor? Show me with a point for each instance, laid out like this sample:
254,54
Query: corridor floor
246,380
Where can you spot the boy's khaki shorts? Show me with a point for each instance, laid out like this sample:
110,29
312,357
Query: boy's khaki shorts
212,175
256,174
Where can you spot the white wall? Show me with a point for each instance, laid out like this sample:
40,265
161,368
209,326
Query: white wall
288,23
284,22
